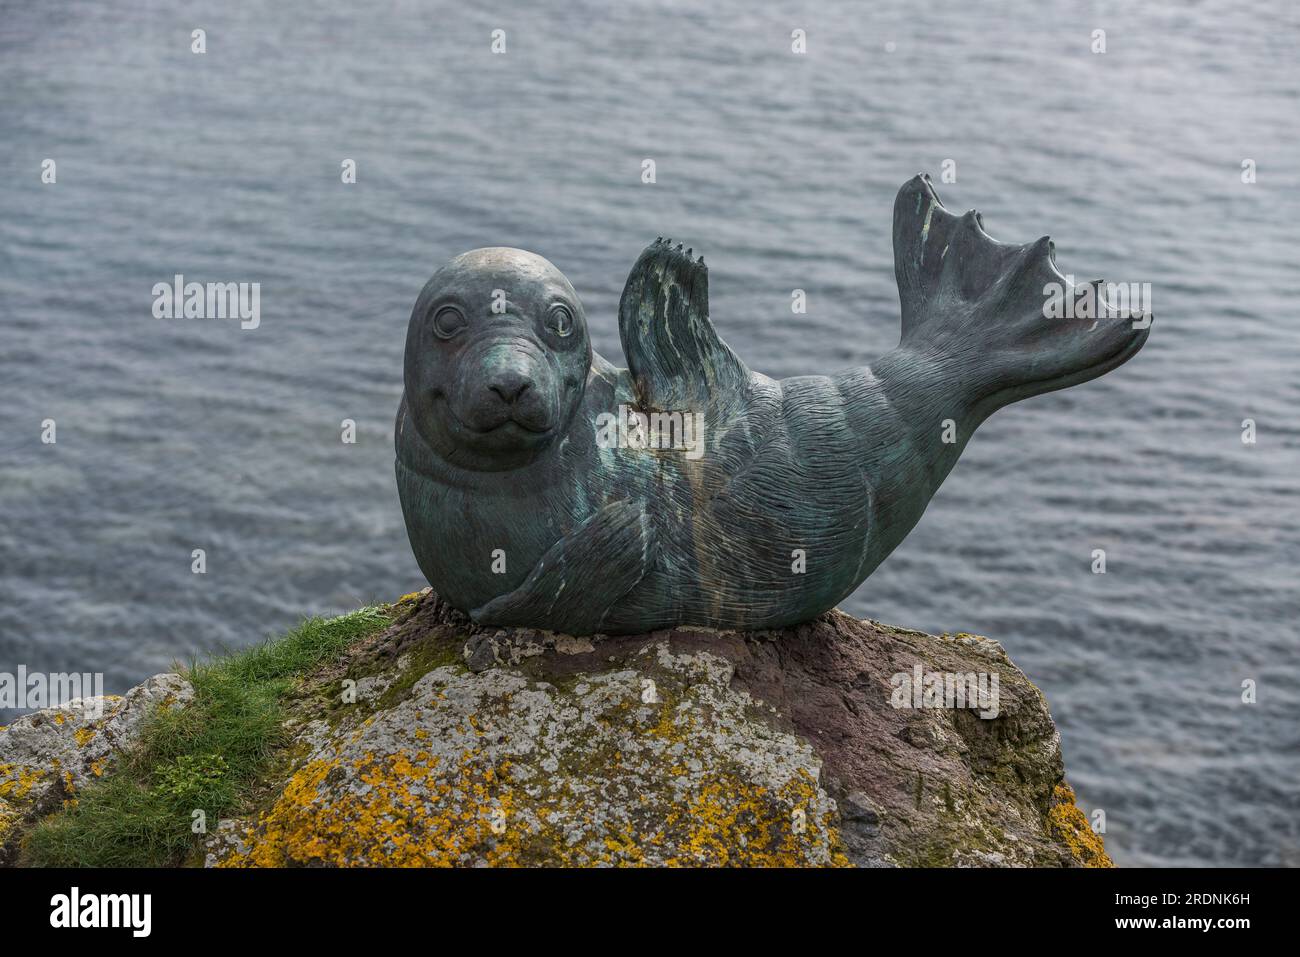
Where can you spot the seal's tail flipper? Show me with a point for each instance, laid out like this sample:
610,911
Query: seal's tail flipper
1008,321
677,360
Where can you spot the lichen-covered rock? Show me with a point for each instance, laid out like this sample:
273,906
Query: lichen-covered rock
47,755
657,761
439,743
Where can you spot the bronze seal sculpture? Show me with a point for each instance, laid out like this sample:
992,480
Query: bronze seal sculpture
542,486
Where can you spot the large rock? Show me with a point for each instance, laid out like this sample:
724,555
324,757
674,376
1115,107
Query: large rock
46,756
436,742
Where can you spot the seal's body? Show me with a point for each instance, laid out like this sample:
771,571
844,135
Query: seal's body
532,490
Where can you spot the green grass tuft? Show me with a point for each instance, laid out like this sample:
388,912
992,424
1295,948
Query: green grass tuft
200,757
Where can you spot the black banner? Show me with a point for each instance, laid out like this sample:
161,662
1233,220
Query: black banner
335,906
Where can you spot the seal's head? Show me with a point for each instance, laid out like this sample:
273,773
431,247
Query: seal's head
497,355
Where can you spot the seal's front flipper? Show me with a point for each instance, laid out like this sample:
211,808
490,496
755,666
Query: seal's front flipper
1001,316
675,356
581,576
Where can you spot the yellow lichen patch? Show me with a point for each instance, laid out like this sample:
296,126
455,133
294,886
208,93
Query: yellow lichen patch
17,781
409,596
84,736
732,823
411,813
406,816
8,818
1069,826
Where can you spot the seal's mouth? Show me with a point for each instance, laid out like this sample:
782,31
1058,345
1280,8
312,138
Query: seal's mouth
509,426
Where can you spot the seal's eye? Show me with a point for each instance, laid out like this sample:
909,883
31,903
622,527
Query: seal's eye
560,320
448,321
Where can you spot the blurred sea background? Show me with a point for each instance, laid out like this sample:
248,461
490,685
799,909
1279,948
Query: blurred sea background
781,169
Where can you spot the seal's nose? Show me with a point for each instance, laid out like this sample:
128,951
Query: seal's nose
509,385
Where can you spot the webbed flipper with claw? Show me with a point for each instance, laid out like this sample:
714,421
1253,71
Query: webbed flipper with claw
675,356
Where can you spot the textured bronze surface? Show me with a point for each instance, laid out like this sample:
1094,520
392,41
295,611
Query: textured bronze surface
531,499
